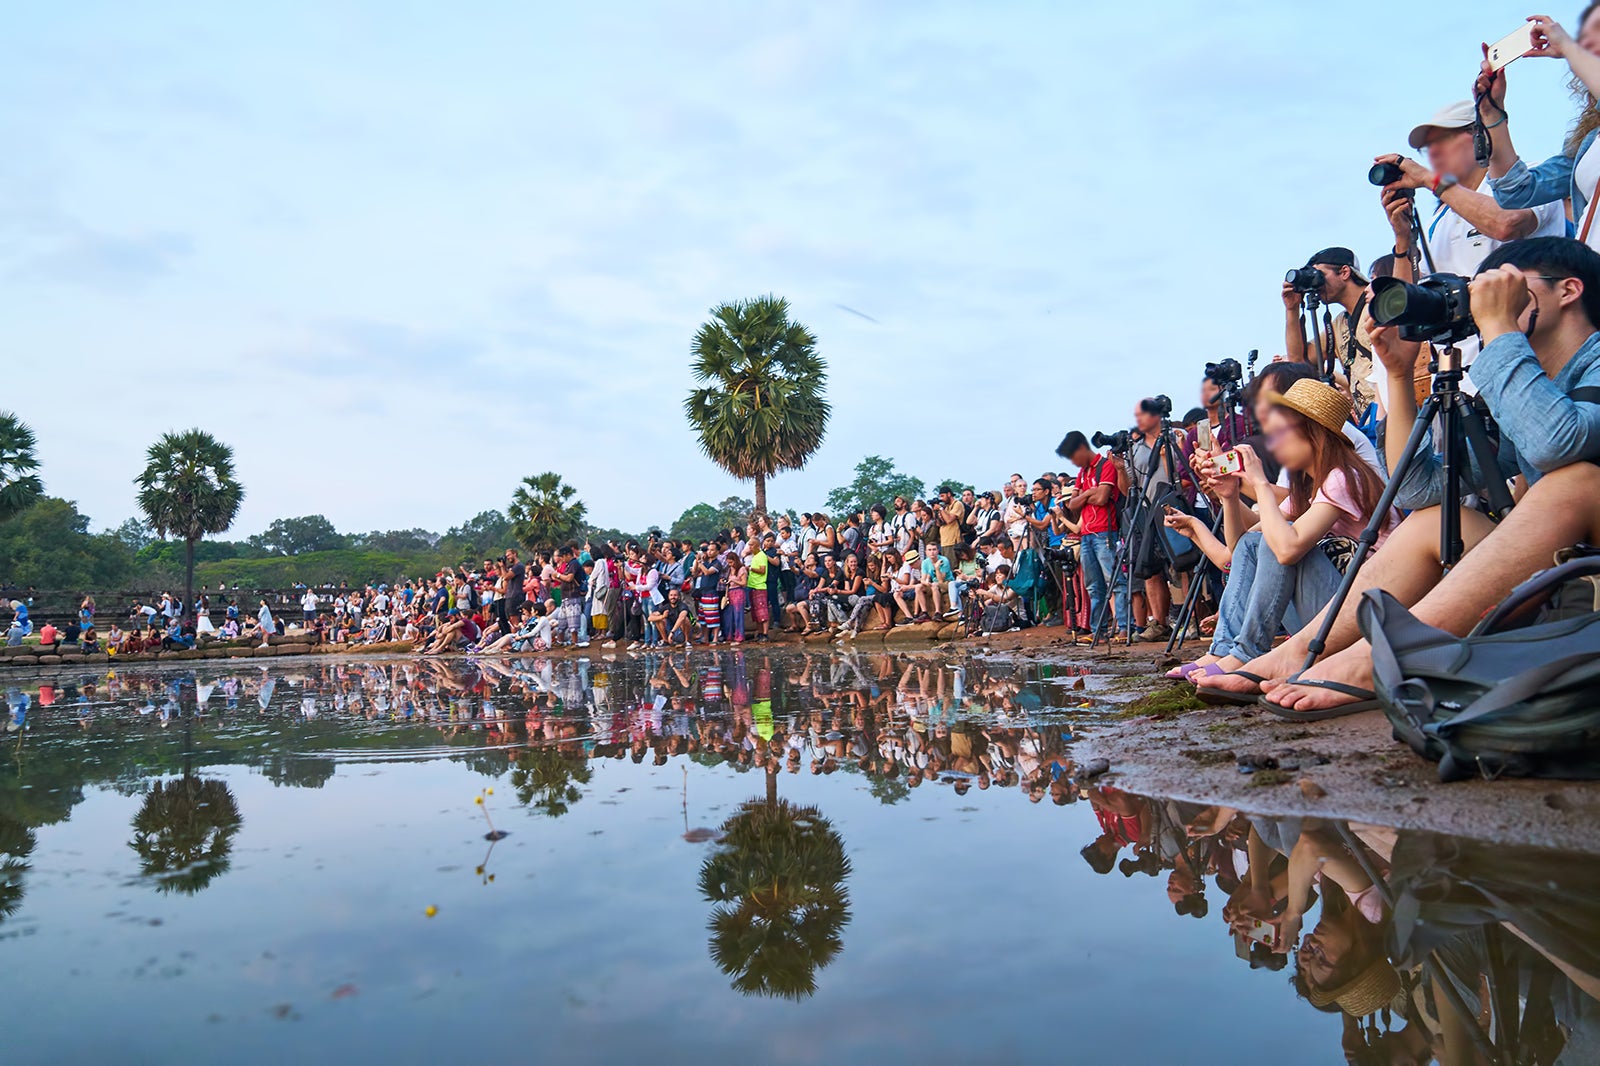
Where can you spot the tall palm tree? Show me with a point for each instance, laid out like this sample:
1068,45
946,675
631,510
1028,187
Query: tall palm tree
545,512
760,407
19,485
778,882
188,488
184,833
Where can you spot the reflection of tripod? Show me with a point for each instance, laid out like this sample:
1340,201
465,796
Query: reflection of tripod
1128,555
1462,428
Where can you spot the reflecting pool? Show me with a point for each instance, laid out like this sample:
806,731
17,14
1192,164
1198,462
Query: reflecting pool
777,857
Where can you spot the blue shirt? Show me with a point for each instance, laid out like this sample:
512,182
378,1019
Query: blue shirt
1041,513
1525,186
1545,423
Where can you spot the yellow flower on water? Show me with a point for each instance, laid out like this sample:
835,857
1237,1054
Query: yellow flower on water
478,800
490,791
430,910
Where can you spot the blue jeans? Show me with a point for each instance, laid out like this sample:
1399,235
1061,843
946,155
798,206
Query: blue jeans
1099,562
1262,592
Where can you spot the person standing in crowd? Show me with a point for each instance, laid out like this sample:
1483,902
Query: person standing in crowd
1342,284
760,579
1154,474
1099,485
1575,171
950,514
708,581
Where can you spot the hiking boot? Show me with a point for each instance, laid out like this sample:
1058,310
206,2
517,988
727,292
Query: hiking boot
1156,631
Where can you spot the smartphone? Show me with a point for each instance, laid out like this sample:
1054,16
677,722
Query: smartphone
1513,46
1203,435
1261,932
1228,463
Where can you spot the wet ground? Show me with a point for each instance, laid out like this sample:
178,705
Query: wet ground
776,857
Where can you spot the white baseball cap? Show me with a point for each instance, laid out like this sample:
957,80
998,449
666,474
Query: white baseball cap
1457,116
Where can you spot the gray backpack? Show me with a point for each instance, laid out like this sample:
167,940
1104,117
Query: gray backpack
1519,696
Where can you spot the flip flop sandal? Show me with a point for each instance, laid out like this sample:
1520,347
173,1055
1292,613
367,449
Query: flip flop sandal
1366,700
1181,673
1217,697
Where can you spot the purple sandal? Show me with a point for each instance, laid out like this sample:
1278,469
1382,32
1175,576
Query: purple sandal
1181,673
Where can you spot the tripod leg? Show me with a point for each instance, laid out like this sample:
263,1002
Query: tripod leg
1483,456
1369,536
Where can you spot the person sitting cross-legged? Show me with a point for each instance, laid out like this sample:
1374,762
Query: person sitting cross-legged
1536,303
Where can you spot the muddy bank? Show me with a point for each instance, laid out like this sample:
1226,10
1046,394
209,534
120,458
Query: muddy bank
1346,768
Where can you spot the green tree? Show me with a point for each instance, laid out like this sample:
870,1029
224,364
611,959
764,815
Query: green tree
545,512
19,485
698,523
399,541
876,481
957,487
188,488
760,407
49,546
291,536
135,533
17,842
486,533
183,833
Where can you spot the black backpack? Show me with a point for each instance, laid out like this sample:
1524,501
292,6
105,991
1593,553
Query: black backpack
1519,696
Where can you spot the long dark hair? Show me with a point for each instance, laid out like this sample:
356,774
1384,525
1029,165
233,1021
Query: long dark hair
1588,118
1331,450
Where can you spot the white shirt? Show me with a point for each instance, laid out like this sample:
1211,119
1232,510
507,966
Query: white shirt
308,602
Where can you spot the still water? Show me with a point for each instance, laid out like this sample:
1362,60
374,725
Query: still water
769,857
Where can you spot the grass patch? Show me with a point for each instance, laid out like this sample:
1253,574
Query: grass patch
1268,778
1167,703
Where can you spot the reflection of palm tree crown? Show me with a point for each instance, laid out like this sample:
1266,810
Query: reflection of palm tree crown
16,844
543,779
184,831
778,880
760,409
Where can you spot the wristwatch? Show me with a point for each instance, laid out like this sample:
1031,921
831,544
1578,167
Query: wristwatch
1443,182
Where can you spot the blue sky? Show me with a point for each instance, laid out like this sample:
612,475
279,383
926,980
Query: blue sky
401,255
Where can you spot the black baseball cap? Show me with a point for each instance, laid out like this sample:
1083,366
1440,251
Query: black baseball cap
1339,257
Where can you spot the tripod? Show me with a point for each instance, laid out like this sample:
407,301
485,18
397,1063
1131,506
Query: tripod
1462,427
1163,449
1309,302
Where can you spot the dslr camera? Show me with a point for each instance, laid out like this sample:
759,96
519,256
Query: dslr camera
1117,442
1226,373
1305,279
1438,309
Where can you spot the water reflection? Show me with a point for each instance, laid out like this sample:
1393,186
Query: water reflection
825,791
1428,948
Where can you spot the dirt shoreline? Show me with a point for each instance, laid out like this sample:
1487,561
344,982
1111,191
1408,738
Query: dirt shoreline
1348,768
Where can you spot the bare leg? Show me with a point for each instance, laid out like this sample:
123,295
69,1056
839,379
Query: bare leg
1406,567
1560,509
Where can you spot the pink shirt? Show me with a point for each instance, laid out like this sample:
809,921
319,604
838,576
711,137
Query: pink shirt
1350,523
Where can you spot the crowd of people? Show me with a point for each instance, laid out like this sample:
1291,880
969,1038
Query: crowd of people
1242,515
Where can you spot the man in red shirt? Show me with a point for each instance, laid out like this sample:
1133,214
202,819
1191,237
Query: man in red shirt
1100,483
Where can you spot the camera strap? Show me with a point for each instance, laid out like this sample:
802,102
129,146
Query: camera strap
1588,218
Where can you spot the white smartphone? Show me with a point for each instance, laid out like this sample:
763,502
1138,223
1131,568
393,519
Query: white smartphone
1228,462
1203,435
1513,46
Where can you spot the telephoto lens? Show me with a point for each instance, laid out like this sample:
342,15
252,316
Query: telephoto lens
1385,173
1437,309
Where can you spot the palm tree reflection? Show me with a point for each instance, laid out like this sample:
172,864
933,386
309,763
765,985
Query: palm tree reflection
184,832
544,777
778,879
16,844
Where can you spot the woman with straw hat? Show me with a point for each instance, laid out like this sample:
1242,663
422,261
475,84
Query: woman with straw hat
1279,555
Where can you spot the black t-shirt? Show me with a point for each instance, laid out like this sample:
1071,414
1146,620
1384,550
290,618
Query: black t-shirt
514,594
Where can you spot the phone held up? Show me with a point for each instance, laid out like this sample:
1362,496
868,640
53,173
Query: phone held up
1511,47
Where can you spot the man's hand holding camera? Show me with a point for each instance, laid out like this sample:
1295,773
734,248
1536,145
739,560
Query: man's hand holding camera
1499,297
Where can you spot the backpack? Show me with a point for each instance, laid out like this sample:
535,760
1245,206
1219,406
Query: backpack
997,618
1519,696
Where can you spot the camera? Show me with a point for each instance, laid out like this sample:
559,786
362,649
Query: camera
1117,442
1228,372
1438,309
1305,279
1385,174
1160,406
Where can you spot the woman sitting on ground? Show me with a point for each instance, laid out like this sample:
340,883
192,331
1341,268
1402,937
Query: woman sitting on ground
1280,567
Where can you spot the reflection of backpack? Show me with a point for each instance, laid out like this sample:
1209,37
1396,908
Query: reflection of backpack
1518,696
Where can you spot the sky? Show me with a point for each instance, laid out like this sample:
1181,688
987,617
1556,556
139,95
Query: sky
401,255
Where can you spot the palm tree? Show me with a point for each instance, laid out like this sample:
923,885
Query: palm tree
545,512
760,408
19,485
543,779
188,488
778,880
184,832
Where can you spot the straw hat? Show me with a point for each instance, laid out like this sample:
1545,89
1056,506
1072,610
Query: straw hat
1368,992
1323,404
